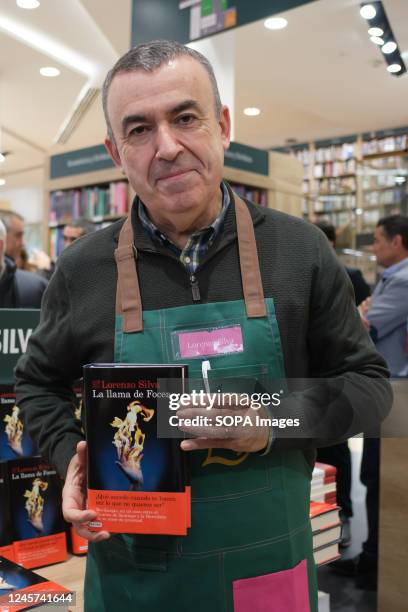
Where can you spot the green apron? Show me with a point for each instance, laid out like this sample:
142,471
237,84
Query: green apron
250,513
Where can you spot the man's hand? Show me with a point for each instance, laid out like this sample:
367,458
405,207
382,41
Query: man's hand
74,498
240,436
363,309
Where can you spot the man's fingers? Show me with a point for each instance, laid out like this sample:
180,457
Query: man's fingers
73,515
203,443
91,536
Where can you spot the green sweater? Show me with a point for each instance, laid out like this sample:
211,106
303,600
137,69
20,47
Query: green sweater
321,332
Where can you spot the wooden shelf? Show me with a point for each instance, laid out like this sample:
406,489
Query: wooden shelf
384,154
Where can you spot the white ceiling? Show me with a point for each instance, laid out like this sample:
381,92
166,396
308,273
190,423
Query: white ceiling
318,78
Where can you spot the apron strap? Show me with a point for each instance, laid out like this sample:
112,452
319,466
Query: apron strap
249,262
128,300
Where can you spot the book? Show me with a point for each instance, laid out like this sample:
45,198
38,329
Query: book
79,545
35,504
21,589
14,439
6,542
326,554
137,482
326,536
323,516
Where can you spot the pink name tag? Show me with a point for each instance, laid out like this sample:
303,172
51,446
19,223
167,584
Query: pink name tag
221,341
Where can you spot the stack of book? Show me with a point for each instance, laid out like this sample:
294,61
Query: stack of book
323,486
137,482
326,528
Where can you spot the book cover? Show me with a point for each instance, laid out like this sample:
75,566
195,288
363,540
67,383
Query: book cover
323,515
79,545
21,589
14,439
35,502
137,482
6,542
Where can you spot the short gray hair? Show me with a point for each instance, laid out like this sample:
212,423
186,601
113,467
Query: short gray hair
149,57
6,216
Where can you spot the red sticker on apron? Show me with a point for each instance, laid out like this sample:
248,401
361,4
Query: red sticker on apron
207,343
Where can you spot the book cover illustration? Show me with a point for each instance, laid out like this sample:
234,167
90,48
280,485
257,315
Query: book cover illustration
136,481
21,589
35,502
14,440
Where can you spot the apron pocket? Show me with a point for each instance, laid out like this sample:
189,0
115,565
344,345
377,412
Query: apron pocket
276,592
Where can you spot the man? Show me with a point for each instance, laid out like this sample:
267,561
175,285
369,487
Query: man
72,231
339,454
205,261
15,233
360,286
385,316
18,288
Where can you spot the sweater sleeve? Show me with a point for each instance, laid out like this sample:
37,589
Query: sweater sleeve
348,392
45,376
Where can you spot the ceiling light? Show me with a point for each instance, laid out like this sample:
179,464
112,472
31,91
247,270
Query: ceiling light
389,47
252,111
359,211
28,4
49,46
50,71
376,31
368,11
2,158
377,40
2,182
275,23
400,180
394,68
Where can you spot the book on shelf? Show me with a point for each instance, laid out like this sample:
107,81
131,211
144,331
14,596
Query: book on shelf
109,199
21,589
254,194
35,505
137,482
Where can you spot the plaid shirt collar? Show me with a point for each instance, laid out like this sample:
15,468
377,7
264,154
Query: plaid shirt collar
198,243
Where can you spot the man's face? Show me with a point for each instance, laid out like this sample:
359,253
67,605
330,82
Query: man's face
169,141
385,249
15,238
70,234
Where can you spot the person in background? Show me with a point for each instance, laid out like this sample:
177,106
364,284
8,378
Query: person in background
14,224
18,288
44,266
339,455
360,286
385,316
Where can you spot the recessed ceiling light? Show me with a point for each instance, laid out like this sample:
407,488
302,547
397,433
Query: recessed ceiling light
389,47
376,31
252,111
28,4
2,182
368,11
377,40
394,68
2,158
50,71
275,23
